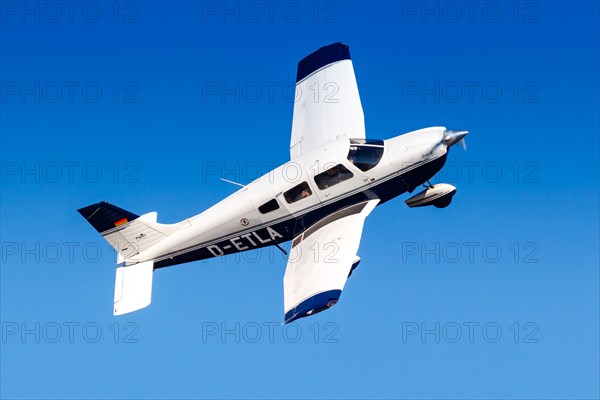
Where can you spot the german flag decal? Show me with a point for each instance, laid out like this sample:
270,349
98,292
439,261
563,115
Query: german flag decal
121,222
103,215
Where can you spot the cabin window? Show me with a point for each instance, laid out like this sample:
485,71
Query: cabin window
365,154
298,192
269,206
333,176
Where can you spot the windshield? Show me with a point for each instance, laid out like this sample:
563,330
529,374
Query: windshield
365,153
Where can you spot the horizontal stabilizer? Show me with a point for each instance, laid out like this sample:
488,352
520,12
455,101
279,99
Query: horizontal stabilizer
133,287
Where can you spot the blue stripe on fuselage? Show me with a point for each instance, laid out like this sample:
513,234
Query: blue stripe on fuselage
286,230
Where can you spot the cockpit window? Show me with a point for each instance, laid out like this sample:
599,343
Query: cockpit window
298,192
269,206
365,153
333,176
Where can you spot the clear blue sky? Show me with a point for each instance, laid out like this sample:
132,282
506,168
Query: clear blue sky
190,91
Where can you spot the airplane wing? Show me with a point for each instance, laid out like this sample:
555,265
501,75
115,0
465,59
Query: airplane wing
321,260
327,104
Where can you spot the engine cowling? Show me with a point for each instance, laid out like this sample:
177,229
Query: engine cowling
439,196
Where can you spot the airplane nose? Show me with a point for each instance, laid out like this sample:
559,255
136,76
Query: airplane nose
453,137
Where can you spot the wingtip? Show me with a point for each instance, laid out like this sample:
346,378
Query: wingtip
313,305
322,57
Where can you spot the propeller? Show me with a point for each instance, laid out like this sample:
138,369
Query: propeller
453,137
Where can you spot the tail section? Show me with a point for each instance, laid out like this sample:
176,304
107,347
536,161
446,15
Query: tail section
104,216
129,234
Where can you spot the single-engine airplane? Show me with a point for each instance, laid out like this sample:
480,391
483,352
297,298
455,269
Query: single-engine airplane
319,199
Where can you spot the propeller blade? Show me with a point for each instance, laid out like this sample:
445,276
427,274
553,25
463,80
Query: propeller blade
452,137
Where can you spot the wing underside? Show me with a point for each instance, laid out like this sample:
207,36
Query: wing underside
321,260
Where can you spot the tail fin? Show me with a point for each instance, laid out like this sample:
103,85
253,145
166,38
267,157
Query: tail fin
129,234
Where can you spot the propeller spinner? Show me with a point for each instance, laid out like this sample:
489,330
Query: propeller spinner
452,137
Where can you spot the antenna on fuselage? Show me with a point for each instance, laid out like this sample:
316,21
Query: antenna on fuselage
281,248
233,183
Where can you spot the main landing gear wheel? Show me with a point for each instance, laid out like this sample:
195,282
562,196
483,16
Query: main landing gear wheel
443,204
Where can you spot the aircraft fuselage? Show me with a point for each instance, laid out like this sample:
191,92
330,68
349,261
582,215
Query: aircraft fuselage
240,222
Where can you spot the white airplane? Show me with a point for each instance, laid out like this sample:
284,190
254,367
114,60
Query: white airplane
319,199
